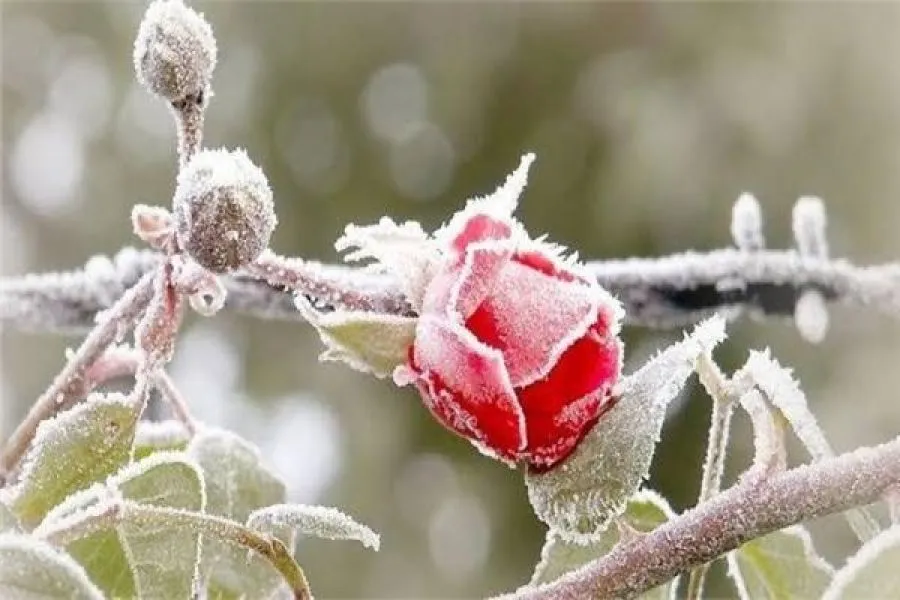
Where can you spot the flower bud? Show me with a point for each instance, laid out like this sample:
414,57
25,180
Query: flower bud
174,51
223,209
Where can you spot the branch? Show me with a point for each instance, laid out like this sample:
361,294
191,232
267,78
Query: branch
750,509
667,292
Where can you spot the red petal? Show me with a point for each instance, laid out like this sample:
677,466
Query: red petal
540,262
466,387
560,409
478,228
532,318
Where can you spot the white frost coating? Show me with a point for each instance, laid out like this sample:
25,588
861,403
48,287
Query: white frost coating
318,521
369,342
174,51
580,497
783,564
808,222
784,392
405,251
30,568
747,224
871,572
502,203
811,316
63,436
161,434
768,443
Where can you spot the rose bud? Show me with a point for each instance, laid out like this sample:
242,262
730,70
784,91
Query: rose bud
516,348
223,210
174,51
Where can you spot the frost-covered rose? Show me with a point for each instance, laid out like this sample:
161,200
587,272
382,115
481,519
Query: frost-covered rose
513,347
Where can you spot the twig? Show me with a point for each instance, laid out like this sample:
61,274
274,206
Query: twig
667,292
719,389
114,324
746,511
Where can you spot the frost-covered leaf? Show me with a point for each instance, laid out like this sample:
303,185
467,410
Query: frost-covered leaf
784,392
779,566
158,436
317,521
369,342
33,570
139,558
405,251
873,572
645,511
236,485
580,497
72,451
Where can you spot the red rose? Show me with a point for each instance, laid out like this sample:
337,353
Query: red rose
515,348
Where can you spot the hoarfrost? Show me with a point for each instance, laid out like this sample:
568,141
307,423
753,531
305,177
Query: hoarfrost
318,521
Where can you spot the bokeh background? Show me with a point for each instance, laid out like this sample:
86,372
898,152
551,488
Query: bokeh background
648,120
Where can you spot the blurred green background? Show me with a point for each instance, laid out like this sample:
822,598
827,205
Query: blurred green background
648,120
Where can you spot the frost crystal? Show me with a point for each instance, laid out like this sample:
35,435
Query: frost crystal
779,386
223,209
405,251
317,521
747,224
808,224
580,497
175,51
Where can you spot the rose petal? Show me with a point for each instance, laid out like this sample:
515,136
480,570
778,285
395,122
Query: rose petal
532,318
561,407
466,386
488,217
478,228
457,290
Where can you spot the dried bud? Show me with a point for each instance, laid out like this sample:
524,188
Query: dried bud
175,51
223,210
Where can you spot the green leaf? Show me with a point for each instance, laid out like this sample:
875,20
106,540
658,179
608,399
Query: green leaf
137,558
236,485
317,521
156,436
779,566
369,342
33,570
580,497
72,451
645,511
873,572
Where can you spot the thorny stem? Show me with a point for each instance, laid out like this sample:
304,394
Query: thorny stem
312,279
718,388
667,292
112,514
115,323
748,510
